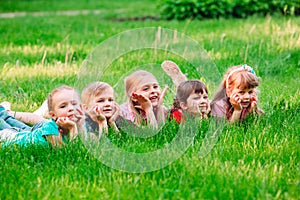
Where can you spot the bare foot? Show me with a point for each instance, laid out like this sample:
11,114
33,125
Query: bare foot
174,72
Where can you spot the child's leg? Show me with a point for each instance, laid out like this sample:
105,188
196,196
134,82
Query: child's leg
43,110
4,125
174,72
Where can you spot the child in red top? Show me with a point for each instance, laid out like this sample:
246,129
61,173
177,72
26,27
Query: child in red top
191,98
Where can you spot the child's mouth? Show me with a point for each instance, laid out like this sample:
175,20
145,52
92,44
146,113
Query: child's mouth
153,98
245,103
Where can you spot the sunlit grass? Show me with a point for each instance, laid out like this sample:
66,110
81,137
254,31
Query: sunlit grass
258,159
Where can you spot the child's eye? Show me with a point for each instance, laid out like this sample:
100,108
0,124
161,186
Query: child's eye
250,92
100,101
74,103
111,99
155,86
62,106
145,89
205,97
241,92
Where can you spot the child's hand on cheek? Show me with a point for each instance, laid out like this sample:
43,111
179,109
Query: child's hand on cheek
97,114
79,116
65,123
253,103
235,102
116,110
143,103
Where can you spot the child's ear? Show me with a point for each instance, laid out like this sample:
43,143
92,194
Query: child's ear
228,92
183,106
52,114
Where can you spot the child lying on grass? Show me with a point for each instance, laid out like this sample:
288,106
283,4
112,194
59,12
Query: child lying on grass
100,107
67,120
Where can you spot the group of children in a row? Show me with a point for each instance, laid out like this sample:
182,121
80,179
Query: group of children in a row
98,111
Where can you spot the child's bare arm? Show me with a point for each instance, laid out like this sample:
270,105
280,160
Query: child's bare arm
114,117
160,107
144,104
27,117
235,101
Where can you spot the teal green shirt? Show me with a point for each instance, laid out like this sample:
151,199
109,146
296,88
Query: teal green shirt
36,135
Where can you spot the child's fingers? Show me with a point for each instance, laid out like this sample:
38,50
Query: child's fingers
138,106
163,93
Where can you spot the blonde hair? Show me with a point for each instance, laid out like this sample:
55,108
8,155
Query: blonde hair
56,90
134,80
132,83
92,90
52,139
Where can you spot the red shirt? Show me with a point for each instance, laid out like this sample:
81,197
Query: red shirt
177,115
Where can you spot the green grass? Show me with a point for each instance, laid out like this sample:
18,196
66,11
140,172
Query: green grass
258,159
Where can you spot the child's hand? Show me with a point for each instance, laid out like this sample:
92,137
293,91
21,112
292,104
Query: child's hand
115,115
97,115
205,114
162,96
65,123
253,103
143,103
235,101
80,117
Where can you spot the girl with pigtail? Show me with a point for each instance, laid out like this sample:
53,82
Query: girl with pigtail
191,99
237,95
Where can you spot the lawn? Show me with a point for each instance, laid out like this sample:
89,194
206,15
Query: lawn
258,159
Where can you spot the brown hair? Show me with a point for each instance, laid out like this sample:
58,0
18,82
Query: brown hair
92,90
56,90
236,77
185,89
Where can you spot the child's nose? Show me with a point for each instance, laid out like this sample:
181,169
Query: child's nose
246,95
70,107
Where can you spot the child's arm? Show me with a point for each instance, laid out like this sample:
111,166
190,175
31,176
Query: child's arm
160,112
253,107
145,105
26,117
235,101
68,126
114,117
97,116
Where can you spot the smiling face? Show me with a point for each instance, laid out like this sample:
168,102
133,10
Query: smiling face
196,103
151,91
245,95
105,101
66,103
242,84
142,83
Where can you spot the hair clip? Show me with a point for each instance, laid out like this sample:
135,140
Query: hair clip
242,67
250,69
